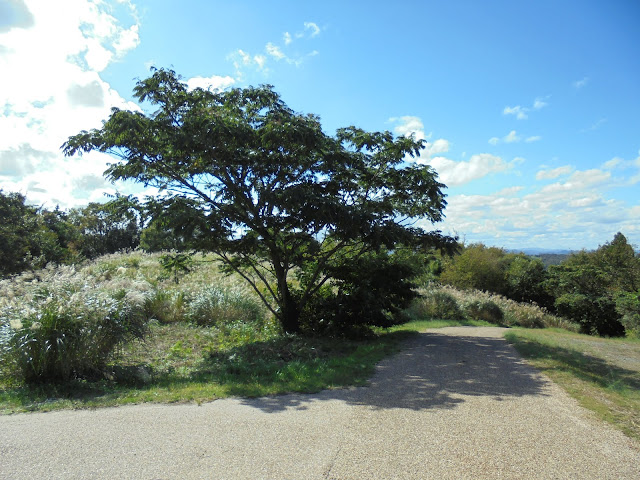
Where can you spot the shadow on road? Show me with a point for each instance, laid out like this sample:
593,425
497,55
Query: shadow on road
434,371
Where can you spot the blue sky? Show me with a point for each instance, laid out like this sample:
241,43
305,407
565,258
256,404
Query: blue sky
531,110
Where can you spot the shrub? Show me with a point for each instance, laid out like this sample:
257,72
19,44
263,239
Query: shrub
366,291
487,311
436,304
65,325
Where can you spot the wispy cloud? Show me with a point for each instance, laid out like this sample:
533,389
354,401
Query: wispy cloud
578,84
540,102
522,113
315,30
620,164
278,52
554,173
513,137
518,111
275,51
594,126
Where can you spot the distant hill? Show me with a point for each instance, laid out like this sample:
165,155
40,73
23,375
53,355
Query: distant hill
552,258
548,256
542,251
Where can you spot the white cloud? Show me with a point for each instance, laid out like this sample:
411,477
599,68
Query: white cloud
595,126
435,148
409,125
511,137
242,59
315,30
618,163
454,173
56,52
518,111
260,61
539,103
613,163
275,51
578,84
128,40
214,83
554,173
451,172
522,113
574,213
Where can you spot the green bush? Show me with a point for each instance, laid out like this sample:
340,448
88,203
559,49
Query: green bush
367,291
486,311
64,325
436,304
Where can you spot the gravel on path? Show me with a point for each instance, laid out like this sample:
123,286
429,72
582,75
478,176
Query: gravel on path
456,403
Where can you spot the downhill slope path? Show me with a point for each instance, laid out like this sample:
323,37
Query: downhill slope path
456,403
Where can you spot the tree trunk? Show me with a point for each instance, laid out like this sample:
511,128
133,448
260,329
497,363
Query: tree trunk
289,311
290,316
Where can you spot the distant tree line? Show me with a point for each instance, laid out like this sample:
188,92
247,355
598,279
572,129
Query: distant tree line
598,289
31,236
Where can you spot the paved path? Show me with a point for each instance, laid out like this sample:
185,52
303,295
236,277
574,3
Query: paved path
456,403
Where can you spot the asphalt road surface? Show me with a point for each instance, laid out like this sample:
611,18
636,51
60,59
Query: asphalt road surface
457,403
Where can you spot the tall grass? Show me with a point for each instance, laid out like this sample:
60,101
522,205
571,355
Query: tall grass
68,322
63,323
448,303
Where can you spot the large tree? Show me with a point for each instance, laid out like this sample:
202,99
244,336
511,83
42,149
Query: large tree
244,176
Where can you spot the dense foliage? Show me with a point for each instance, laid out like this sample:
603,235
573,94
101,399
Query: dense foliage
32,237
598,289
265,189
587,284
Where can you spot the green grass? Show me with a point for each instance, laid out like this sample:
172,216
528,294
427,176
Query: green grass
419,325
602,374
186,363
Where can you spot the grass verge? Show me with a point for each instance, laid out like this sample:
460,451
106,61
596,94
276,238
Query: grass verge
186,363
602,374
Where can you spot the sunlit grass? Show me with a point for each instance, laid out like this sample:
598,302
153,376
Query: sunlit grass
186,363
602,374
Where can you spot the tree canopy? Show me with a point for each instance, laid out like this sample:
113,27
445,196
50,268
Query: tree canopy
244,176
588,285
